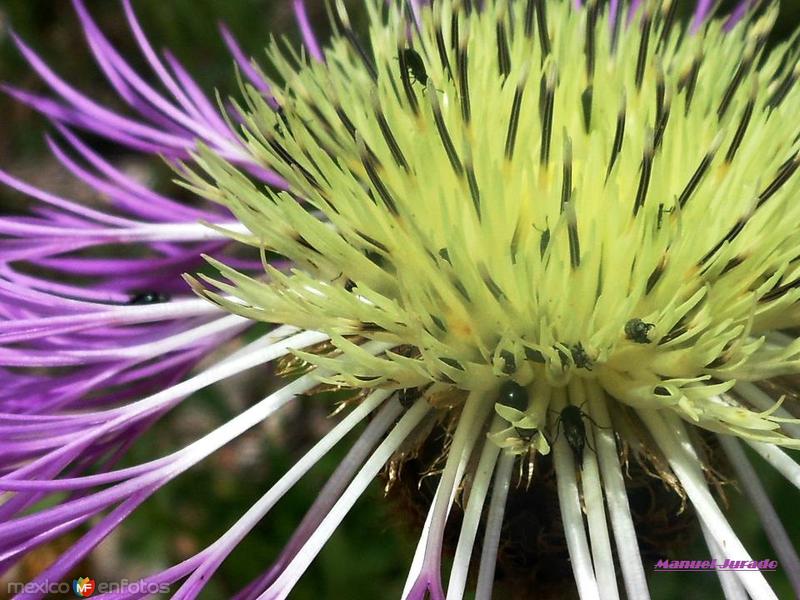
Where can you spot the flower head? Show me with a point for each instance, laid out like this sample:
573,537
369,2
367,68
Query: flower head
526,233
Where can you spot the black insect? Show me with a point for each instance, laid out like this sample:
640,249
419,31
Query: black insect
638,331
513,395
148,298
571,418
661,212
411,64
580,357
544,242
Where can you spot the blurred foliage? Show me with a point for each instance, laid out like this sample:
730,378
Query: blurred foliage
369,555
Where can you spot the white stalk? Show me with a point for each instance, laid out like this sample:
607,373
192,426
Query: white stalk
175,342
782,462
151,232
732,588
332,490
223,546
676,447
218,372
472,517
199,450
294,570
470,423
619,509
602,555
572,517
419,552
266,340
753,489
144,313
494,525
184,459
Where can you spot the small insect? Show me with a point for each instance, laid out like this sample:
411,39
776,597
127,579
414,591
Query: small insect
513,395
571,418
544,242
638,331
148,298
544,239
349,285
411,64
580,357
661,212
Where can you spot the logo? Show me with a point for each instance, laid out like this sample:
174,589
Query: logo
714,564
83,587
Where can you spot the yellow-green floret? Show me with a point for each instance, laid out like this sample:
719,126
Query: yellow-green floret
509,194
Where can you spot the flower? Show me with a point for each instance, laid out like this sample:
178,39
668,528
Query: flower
533,234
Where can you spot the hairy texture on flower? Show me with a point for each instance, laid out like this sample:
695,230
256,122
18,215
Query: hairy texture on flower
508,210
533,237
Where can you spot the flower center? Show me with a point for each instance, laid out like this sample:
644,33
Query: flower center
484,204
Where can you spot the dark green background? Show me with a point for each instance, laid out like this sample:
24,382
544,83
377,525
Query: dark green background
368,556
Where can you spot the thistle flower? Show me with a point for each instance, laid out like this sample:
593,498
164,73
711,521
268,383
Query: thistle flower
531,235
